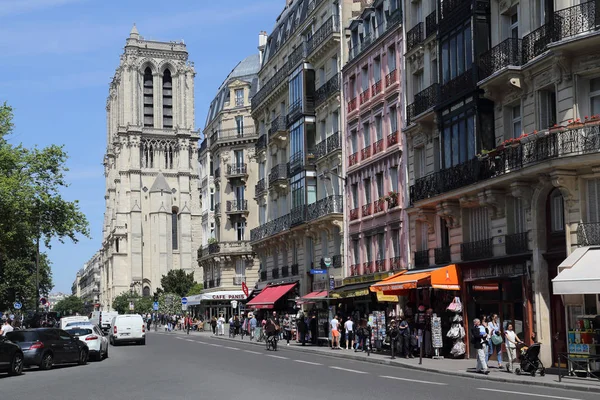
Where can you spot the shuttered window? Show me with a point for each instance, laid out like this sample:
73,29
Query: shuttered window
518,215
593,200
478,224
557,211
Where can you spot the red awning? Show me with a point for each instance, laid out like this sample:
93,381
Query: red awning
313,297
269,295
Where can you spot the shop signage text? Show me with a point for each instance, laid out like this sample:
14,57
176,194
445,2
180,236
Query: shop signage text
493,271
228,297
367,278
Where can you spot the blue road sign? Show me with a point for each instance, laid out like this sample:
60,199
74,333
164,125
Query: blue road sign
155,306
17,305
184,300
318,271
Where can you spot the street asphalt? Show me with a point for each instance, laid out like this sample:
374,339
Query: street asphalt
174,366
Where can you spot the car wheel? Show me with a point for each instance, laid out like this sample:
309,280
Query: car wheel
106,353
16,367
47,361
83,357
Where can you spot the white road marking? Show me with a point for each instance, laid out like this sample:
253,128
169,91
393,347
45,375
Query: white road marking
413,380
252,352
307,362
231,348
529,394
280,357
215,345
190,340
349,370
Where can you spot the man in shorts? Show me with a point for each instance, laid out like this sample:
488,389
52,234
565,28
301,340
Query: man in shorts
335,333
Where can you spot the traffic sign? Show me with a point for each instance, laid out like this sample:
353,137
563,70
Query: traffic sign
234,303
17,305
131,306
155,306
43,301
184,307
331,283
317,271
184,300
245,288
327,261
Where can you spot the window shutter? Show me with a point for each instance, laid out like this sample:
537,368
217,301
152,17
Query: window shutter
593,197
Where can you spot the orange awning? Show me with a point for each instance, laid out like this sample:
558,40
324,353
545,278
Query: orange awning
445,278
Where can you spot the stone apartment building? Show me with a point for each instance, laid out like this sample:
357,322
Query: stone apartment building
152,220
229,174
503,148
298,117
88,283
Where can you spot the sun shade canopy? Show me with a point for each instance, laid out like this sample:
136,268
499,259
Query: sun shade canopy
269,296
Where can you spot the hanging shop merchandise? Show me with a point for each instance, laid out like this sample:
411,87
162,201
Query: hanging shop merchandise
436,335
457,331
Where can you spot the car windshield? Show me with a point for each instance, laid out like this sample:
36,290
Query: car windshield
22,336
78,323
79,331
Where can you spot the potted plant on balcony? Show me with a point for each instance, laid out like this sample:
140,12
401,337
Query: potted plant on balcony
593,120
212,240
556,128
575,124
485,154
392,199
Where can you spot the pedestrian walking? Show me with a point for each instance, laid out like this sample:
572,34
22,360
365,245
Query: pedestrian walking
287,328
213,325
349,329
6,327
511,346
479,340
221,325
313,325
253,323
495,342
302,329
335,333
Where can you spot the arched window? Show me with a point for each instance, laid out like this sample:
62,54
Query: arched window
167,100
148,98
146,291
174,228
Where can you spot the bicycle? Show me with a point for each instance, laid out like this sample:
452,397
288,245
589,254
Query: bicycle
271,342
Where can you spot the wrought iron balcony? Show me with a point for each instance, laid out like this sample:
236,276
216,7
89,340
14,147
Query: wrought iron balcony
275,273
478,250
392,139
323,33
365,153
298,215
508,52
588,234
236,170
327,146
396,263
376,89
424,100
326,206
235,206
278,173
269,87
351,105
516,243
238,280
577,19
336,261
278,125
379,206
366,210
296,163
214,248
459,85
295,269
378,146
354,268
354,214
431,24
261,143
328,89
285,271
379,265
546,146
368,267
225,135
414,37
352,159
365,96
442,255
260,188
422,258
263,276
270,228
391,78
297,56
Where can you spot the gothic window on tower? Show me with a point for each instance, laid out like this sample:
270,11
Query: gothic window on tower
169,157
167,100
148,98
174,228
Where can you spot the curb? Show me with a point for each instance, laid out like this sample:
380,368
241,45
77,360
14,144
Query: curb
388,362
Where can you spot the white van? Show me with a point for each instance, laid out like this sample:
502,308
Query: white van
127,328
73,321
103,319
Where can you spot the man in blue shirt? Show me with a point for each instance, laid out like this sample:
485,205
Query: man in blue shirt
252,326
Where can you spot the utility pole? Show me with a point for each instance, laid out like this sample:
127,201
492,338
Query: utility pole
37,271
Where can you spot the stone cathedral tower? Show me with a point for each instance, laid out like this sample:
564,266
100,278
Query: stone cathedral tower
152,220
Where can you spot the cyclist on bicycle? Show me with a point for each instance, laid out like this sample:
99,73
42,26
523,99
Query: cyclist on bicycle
271,332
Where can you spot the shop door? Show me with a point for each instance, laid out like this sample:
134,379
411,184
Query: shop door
557,315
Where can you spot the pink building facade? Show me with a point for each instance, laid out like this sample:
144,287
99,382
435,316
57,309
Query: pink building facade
377,237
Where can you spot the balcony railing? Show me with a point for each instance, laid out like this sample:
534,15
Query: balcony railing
269,87
285,271
328,145
431,24
261,143
233,133
295,269
516,243
414,37
260,188
352,105
392,139
296,163
354,214
366,210
424,100
508,52
352,159
588,234
278,172
396,263
278,124
365,96
237,205
422,258
365,153
275,273
270,228
238,280
297,56
329,205
368,267
478,250
379,265
237,169
263,276
331,87
442,255
336,261
546,146
378,206
378,146
391,78
376,88
458,85
298,215
325,31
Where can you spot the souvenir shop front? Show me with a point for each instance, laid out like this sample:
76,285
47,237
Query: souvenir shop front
578,283
279,298
502,289
215,304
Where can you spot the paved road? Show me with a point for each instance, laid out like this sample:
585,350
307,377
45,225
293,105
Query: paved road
199,367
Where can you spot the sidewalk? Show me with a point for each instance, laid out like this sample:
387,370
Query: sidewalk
462,368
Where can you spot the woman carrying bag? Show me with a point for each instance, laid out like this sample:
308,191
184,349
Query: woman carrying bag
496,339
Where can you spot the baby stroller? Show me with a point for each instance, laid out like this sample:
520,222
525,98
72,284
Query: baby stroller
530,361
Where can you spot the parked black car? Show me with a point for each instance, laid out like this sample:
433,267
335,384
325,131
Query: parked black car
11,357
45,347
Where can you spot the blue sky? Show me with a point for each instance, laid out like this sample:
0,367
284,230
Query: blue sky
57,58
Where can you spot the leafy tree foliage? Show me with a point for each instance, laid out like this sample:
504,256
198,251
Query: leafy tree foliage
169,303
196,289
142,305
31,207
69,306
178,282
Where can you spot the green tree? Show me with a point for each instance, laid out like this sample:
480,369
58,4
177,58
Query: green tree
31,209
121,303
141,305
69,306
169,303
196,289
178,282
